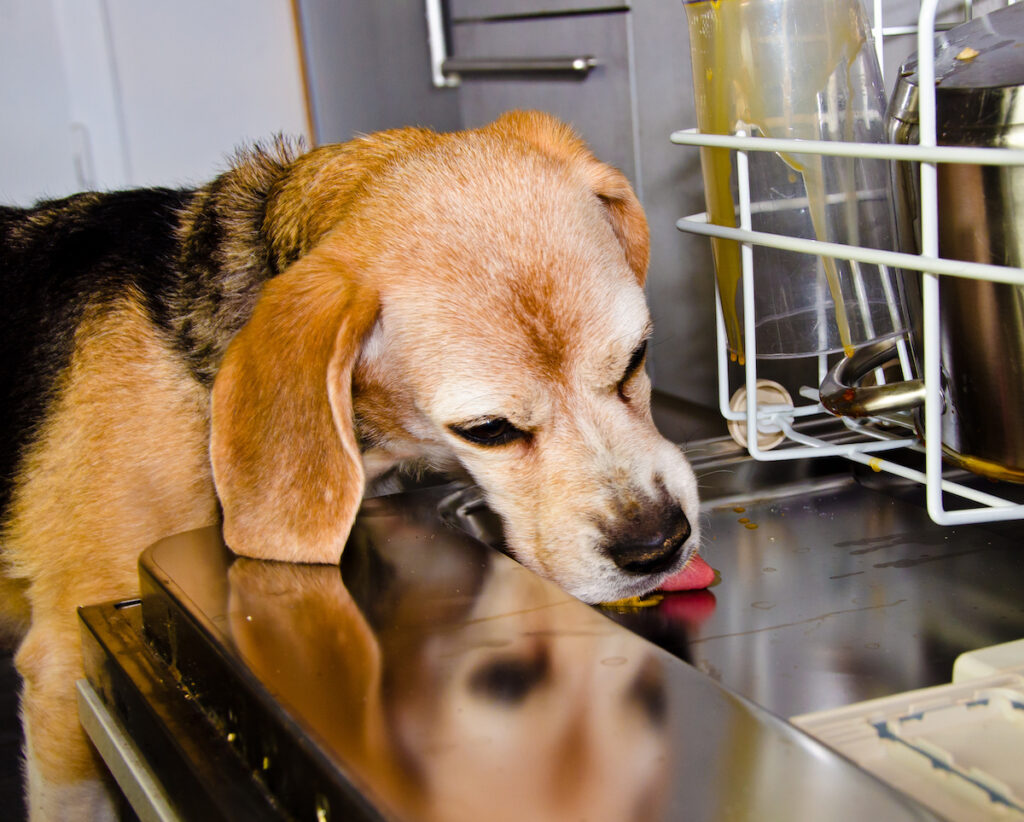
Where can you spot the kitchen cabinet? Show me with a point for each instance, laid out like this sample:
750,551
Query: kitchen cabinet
36,133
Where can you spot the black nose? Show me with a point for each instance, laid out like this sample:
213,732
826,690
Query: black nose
652,544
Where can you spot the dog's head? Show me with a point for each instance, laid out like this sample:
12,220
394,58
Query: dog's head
476,299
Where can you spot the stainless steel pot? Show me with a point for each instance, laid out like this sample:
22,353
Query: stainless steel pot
979,102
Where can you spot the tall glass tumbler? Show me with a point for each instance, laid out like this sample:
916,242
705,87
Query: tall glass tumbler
803,69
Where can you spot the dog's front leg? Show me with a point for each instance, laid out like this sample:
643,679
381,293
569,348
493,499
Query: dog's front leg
63,776
121,462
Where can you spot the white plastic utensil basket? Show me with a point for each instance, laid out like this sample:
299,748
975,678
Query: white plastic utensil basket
872,439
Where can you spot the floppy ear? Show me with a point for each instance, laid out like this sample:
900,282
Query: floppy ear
283,446
625,214
609,184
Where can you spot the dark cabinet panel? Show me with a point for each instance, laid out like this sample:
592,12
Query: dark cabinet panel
598,105
368,68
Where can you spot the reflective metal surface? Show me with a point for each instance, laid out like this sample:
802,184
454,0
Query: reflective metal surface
439,680
169,762
830,591
833,593
841,393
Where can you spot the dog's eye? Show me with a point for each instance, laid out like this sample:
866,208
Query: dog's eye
648,692
634,365
509,681
491,432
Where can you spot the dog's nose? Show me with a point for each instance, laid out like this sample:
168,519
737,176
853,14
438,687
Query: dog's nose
653,546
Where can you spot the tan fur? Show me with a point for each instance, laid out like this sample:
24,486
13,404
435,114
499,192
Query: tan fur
428,282
121,463
282,499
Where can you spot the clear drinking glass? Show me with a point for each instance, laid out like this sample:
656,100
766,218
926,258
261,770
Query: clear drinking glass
804,69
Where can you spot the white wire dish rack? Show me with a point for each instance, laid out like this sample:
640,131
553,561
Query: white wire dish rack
873,442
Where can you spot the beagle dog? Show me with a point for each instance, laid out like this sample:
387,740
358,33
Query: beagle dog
254,351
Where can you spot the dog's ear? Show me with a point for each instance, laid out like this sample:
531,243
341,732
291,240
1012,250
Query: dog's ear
609,184
283,448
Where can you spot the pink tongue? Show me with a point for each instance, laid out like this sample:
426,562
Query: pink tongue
695,574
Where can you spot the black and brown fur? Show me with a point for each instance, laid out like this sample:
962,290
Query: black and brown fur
117,312
175,358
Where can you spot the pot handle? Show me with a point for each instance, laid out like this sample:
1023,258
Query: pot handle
841,394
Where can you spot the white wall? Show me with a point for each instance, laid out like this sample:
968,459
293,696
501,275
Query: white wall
36,154
113,93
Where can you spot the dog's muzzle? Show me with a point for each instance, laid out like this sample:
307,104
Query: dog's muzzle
649,543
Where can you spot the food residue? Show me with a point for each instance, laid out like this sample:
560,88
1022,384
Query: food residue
967,53
633,603
744,521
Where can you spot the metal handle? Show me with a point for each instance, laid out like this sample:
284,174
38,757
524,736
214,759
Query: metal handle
841,394
445,71
438,45
576,66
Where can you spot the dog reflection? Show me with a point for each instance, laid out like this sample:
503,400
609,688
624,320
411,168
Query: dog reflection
512,702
